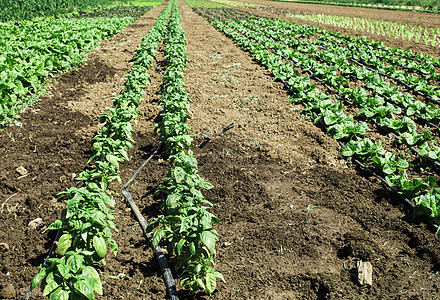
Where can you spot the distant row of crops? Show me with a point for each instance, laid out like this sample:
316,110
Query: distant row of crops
24,9
417,5
16,10
33,50
418,34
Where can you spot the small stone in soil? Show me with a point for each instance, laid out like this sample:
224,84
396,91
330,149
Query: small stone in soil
35,223
21,170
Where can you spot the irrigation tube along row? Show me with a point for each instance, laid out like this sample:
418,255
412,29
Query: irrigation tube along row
168,276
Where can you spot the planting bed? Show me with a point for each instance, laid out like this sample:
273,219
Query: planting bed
295,217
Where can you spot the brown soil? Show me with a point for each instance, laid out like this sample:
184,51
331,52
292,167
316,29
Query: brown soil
295,217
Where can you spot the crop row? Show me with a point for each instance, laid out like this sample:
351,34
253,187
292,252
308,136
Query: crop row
186,222
330,114
371,99
406,5
24,9
31,50
430,36
372,107
86,222
359,50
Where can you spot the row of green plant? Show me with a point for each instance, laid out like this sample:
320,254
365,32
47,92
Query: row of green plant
32,50
418,34
405,5
383,57
87,222
413,58
339,125
424,64
116,11
405,71
371,56
238,3
386,60
266,31
25,9
186,223
372,103
203,3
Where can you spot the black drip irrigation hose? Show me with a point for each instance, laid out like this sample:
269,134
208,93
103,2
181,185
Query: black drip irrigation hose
167,275
49,254
156,66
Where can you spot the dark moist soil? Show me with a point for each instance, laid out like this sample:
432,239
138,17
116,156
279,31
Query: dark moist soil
295,218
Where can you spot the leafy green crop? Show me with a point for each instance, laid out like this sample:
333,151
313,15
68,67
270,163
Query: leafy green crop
430,205
24,9
187,223
31,50
86,222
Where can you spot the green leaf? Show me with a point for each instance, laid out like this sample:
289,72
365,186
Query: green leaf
85,288
431,181
192,248
64,271
207,185
172,200
92,273
403,164
346,151
50,284
64,243
75,262
100,246
37,278
219,275
59,294
160,232
208,238
55,225
113,246
114,160
388,169
180,245
179,174
210,283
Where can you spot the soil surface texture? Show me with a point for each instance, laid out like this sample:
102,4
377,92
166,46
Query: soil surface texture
295,217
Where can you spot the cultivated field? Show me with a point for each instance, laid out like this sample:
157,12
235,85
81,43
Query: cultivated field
334,140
